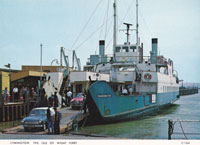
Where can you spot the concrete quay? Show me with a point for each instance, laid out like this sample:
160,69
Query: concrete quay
70,119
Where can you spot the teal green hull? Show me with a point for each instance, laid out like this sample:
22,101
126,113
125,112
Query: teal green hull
106,106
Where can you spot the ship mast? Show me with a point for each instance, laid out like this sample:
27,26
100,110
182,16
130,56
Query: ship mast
127,32
137,25
115,27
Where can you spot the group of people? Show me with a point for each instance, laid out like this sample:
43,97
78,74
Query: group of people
128,90
21,93
67,97
53,120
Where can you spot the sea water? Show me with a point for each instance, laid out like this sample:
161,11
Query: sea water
155,126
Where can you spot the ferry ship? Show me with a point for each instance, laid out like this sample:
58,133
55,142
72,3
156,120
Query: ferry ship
125,85
137,85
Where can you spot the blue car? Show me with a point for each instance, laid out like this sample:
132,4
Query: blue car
37,119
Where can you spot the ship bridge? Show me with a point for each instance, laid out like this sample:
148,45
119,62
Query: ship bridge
126,53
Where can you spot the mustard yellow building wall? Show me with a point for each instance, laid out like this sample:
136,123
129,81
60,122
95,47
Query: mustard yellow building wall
5,81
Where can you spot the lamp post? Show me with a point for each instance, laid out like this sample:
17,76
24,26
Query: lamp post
55,60
40,65
8,66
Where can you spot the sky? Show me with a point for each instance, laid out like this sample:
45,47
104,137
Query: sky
25,24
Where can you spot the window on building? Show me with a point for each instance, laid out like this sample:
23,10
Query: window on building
78,88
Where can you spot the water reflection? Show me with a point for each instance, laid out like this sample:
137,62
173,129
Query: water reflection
5,125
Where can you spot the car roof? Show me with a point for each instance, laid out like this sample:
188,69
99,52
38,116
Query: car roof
44,108
41,108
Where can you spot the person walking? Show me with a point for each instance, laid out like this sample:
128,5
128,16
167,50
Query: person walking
57,119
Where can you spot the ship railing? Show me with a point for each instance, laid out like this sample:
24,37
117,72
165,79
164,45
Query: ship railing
127,59
182,128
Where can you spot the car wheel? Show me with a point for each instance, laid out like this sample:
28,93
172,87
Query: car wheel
43,128
46,126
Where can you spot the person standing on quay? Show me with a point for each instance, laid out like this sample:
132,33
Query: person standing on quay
5,94
50,120
21,94
15,92
55,99
69,97
57,121
24,92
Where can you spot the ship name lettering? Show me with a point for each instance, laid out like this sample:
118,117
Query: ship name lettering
103,96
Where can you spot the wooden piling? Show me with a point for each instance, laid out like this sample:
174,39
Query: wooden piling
12,112
23,110
7,114
20,110
3,114
28,107
17,113
26,110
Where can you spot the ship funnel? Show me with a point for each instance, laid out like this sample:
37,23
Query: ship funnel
102,48
141,53
154,51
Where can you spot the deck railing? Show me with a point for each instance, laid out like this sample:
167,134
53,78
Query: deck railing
180,127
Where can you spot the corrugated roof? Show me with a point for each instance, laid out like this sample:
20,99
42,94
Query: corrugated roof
23,74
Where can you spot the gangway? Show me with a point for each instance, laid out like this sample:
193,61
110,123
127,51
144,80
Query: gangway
65,80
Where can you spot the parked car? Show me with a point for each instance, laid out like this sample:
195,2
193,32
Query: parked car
37,119
77,102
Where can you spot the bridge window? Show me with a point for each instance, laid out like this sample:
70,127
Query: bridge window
132,48
125,49
117,49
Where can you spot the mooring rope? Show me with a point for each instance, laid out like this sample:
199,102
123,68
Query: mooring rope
182,130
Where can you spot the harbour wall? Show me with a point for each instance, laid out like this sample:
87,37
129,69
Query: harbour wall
188,91
12,111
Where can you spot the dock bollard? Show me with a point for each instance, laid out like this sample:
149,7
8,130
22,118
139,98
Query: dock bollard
75,125
170,129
